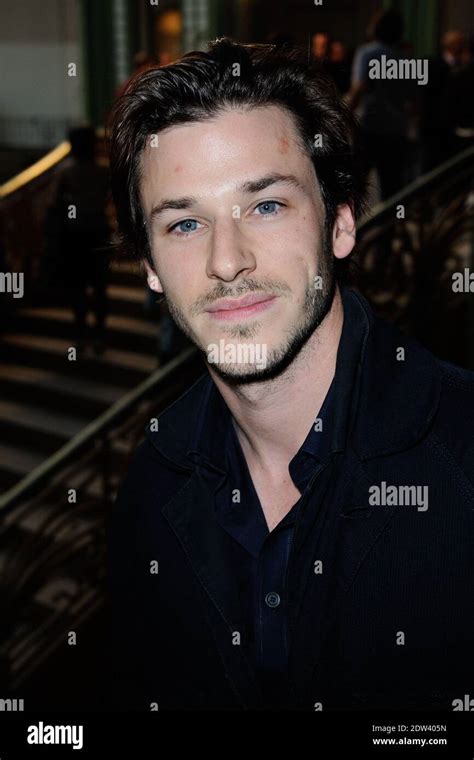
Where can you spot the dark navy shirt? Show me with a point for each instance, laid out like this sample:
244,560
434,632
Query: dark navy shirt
261,556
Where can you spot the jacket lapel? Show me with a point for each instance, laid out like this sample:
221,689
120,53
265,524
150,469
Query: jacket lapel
190,515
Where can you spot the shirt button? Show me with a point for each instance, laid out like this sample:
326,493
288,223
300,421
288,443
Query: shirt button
272,599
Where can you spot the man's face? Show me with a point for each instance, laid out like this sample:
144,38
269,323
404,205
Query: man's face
239,252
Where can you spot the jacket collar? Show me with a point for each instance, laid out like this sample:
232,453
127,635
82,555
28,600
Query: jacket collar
380,406
398,388
386,393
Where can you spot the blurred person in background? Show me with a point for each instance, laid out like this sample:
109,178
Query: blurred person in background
80,205
338,66
462,107
383,105
440,106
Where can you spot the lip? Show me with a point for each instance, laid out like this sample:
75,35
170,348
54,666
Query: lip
233,308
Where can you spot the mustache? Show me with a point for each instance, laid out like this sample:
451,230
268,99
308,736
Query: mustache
247,286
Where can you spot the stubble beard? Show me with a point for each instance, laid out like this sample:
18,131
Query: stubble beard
317,303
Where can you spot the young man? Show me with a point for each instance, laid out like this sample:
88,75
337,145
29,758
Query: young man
308,503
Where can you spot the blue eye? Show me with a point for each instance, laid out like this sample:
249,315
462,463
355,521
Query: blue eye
185,227
269,207
188,226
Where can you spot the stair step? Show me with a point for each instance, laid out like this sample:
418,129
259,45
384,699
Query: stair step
49,389
127,300
126,273
15,463
45,430
126,332
125,368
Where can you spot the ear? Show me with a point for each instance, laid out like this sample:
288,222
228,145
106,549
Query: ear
152,278
343,234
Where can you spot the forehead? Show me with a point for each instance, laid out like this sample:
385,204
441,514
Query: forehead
223,148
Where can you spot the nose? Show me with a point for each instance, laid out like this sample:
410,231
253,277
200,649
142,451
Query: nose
230,252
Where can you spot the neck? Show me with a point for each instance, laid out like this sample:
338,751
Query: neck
272,418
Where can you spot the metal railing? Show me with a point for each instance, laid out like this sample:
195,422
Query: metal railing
163,379
408,250
52,533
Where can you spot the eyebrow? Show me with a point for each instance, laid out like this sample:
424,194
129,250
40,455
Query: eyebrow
249,187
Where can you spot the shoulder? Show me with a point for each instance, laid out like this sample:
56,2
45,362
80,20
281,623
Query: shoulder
361,57
362,60
149,478
158,466
365,52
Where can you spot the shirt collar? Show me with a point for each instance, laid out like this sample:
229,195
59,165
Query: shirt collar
381,404
208,439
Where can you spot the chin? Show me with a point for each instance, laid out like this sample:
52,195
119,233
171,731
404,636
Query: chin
240,375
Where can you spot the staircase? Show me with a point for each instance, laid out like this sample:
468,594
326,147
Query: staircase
45,399
67,430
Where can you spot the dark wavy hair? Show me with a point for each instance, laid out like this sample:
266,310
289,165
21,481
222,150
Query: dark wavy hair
200,85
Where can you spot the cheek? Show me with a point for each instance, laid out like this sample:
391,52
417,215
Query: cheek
304,232
180,282
174,269
302,250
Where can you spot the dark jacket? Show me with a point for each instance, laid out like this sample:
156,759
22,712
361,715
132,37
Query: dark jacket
390,621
